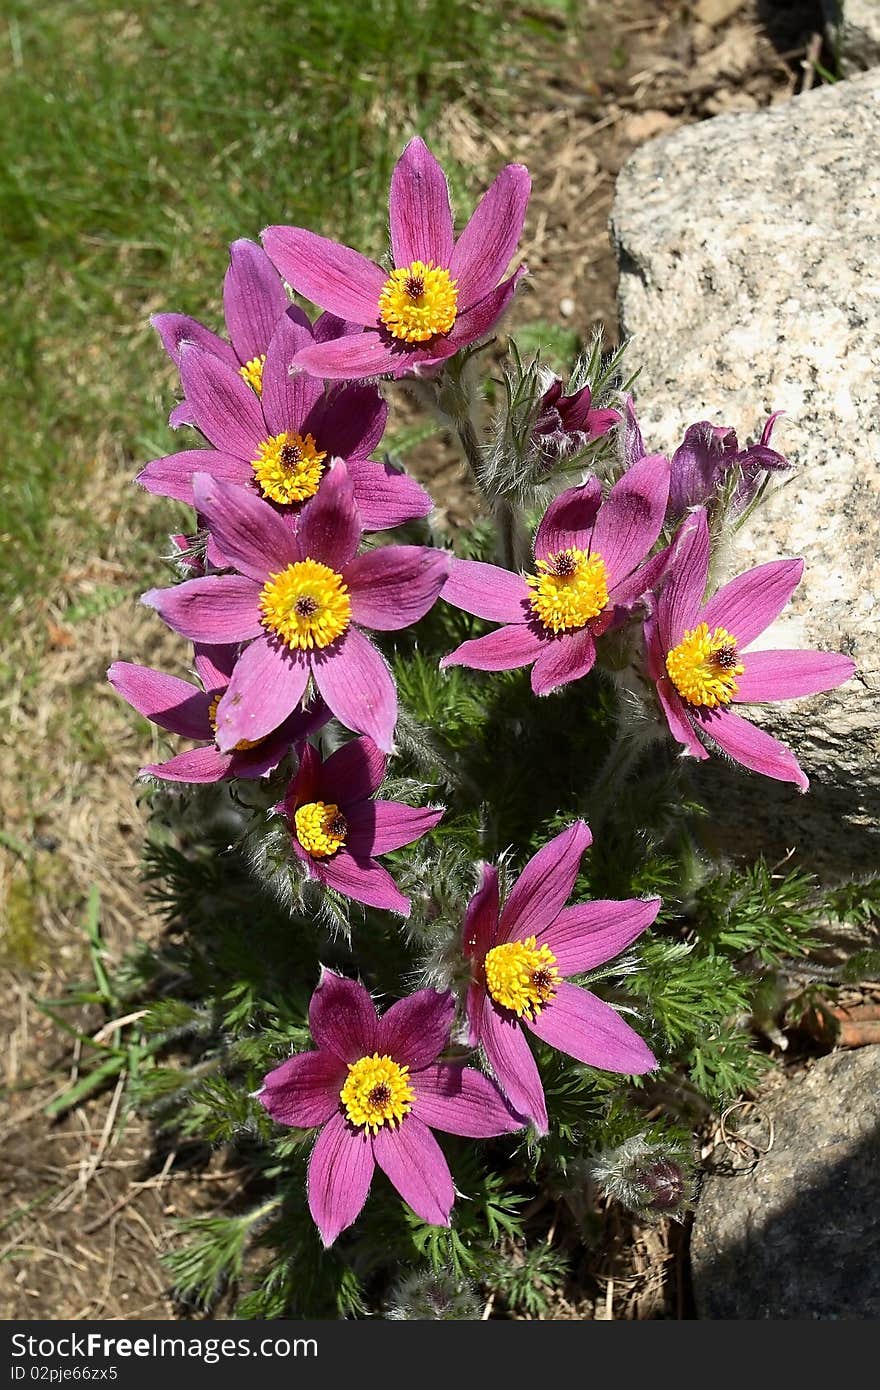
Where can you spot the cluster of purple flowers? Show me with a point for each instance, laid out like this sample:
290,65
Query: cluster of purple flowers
284,598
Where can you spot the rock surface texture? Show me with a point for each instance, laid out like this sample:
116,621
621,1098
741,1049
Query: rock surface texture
798,1236
854,32
749,250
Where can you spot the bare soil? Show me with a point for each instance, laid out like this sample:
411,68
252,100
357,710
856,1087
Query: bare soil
87,1198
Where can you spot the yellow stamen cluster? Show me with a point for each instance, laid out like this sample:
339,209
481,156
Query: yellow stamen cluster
252,372
320,828
569,589
418,301
704,667
288,467
522,976
307,605
243,743
377,1092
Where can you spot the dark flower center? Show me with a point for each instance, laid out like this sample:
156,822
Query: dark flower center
565,564
725,657
290,455
305,606
415,286
380,1095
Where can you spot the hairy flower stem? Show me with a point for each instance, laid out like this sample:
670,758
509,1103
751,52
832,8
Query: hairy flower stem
513,540
623,758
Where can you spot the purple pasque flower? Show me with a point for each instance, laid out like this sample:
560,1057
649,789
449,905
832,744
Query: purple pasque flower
701,461
300,602
281,442
521,956
705,459
254,299
701,660
566,424
338,829
183,708
377,1090
588,562
442,295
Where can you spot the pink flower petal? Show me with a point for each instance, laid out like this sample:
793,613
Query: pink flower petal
221,608
350,423
385,497
631,516
249,532
353,772
214,665
502,650
487,591
378,827
413,1162
588,1029
304,1090
686,575
588,934
176,329
481,918
396,585
460,1100
253,299
568,522
676,712
625,592
166,700
752,601
545,884
479,935
477,321
224,407
329,527
362,880
342,1018
415,1030
288,397
173,475
327,326
304,785
483,251
566,657
355,680
196,765
340,1172
329,274
268,682
510,1058
252,763
182,414
421,218
751,746
781,675
366,354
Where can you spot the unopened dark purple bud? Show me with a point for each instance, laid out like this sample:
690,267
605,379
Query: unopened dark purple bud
665,1184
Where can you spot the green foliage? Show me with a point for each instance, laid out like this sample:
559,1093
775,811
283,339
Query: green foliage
228,986
528,1279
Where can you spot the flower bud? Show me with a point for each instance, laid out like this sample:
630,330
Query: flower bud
652,1177
433,1297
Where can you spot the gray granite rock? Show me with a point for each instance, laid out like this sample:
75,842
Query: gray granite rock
854,33
749,251
798,1235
